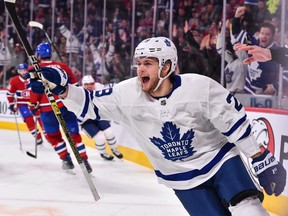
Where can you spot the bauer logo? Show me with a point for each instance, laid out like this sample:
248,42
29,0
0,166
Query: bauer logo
264,164
262,130
173,146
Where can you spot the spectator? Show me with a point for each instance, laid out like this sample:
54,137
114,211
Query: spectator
72,43
262,77
263,14
103,57
235,71
18,55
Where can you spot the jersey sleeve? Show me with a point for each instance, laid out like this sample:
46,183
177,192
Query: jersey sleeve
72,77
79,101
11,90
100,105
228,115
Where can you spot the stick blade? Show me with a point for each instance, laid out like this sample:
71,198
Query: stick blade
35,24
31,155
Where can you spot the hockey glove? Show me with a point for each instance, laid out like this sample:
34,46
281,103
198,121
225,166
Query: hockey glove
34,108
271,174
13,109
37,86
57,79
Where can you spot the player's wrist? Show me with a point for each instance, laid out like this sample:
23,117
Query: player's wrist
65,93
256,155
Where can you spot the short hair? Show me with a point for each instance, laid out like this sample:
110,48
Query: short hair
268,25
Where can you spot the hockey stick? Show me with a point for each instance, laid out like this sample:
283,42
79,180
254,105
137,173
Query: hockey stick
40,26
17,128
10,5
36,146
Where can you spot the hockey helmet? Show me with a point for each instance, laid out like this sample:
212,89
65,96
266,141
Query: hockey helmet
22,66
161,48
44,50
87,79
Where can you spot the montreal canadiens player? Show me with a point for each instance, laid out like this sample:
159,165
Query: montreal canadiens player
190,127
18,97
50,122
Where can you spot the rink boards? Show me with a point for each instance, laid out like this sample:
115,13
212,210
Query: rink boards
269,126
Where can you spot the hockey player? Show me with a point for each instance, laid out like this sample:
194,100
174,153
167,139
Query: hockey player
18,98
101,131
192,138
50,122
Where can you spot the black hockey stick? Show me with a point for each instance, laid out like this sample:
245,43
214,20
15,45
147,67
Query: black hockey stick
36,145
10,5
40,26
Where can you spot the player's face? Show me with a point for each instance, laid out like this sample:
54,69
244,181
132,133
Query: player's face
147,70
89,86
265,37
22,73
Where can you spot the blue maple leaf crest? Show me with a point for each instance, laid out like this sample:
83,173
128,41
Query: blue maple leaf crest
167,42
172,146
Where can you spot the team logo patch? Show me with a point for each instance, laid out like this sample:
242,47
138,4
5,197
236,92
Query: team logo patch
25,94
173,146
167,42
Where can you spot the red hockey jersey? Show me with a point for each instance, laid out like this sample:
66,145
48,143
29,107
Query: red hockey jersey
17,91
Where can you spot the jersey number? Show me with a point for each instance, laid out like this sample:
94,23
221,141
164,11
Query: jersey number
237,105
104,92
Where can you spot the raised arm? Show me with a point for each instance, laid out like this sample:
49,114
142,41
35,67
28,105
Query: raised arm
260,54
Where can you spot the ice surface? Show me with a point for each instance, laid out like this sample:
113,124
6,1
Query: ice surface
39,187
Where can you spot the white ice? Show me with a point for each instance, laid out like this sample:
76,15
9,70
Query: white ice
39,187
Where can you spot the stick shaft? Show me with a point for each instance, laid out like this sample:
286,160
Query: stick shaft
10,5
40,26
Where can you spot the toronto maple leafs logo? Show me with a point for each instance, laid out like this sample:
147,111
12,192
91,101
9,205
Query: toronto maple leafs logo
254,71
167,42
228,75
172,146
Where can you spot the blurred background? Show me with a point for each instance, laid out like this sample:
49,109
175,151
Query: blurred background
98,37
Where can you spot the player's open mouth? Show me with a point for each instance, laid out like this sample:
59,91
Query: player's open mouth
263,41
145,79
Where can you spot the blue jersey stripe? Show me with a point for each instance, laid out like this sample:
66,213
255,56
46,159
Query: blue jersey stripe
86,105
194,173
246,134
235,126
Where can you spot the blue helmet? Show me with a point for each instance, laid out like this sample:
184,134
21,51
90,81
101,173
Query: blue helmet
22,66
44,50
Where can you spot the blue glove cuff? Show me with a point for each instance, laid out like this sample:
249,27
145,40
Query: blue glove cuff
37,86
58,90
261,157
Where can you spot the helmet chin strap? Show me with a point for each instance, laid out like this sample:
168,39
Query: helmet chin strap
160,78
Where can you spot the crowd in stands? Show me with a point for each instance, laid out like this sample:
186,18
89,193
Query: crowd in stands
196,26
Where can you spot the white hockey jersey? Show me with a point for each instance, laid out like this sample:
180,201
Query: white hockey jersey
187,135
